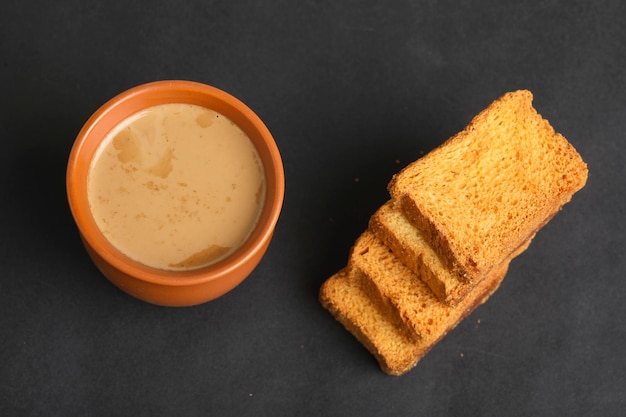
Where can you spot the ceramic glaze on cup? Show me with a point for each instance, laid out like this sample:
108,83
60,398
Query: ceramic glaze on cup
176,188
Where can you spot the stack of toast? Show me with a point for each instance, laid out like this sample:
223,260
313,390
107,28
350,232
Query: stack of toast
456,218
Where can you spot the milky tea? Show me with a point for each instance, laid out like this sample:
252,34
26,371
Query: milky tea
176,187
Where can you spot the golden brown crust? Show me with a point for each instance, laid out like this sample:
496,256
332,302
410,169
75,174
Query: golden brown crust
342,296
397,290
392,227
407,243
481,194
395,353
458,216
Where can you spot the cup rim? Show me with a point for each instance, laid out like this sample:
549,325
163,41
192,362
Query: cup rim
161,92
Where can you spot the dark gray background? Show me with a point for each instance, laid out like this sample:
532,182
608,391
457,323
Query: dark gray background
352,91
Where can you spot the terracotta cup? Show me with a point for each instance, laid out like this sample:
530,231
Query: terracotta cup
162,287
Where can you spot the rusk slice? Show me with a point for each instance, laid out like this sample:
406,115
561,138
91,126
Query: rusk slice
404,297
343,296
409,246
480,195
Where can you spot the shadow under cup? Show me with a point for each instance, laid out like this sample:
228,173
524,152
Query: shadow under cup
166,287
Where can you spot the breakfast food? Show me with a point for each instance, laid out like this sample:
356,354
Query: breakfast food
399,292
480,195
407,243
343,295
457,217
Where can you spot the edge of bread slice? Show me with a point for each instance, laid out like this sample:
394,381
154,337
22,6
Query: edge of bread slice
399,292
483,192
345,297
407,243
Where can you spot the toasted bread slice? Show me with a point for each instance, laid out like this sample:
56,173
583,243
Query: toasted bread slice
402,295
344,296
409,246
480,195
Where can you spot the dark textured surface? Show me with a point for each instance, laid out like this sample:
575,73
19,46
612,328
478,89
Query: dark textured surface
352,91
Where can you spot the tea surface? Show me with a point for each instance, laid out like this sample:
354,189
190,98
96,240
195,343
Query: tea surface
176,186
